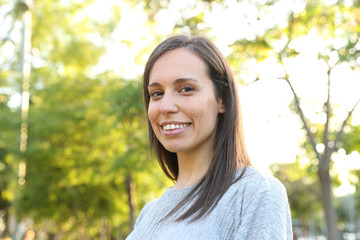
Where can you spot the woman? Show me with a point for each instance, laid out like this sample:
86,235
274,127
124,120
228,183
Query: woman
195,129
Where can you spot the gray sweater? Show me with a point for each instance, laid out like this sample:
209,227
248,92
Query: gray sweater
254,208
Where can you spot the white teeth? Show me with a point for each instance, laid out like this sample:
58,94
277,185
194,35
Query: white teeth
175,126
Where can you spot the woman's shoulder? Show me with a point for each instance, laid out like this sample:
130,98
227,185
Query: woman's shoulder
251,174
254,181
150,205
166,201
262,204
146,209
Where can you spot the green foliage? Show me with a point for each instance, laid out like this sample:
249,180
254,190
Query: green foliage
85,132
8,141
302,187
193,25
351,139
84,136
9,131
354,179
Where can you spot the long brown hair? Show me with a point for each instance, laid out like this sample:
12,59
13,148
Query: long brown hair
229,149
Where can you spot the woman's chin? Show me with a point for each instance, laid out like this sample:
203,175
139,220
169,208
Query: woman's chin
173,148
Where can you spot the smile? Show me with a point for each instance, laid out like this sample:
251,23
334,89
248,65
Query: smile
175,126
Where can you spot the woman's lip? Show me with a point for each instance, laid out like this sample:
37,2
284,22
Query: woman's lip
174,126
176,131
162,124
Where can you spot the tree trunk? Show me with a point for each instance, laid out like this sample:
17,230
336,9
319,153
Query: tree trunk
103,229
326,198
6,232
130,187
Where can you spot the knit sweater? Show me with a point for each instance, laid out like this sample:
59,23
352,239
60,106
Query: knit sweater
254,208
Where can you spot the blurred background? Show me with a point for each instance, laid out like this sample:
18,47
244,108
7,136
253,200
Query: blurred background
74,155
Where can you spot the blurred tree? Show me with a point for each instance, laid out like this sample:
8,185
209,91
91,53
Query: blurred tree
352,143
9,121
87,146
354,178
303,191
9,116
332,23
87,140
351,139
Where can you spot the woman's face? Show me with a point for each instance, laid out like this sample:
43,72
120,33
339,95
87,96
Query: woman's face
183,108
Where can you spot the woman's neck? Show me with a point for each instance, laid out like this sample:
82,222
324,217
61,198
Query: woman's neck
192,168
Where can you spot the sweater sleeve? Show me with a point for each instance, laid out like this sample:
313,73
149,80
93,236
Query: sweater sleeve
265,212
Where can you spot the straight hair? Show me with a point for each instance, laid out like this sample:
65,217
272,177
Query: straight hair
229,149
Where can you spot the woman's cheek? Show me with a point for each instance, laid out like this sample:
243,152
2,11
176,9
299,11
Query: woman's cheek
152,114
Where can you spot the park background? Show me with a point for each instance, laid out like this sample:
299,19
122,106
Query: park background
74,155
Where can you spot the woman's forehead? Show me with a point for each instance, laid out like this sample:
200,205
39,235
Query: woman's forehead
178,63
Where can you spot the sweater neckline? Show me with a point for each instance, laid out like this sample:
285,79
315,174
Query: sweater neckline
189,188
179,190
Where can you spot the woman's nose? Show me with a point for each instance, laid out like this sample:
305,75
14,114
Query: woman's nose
168,103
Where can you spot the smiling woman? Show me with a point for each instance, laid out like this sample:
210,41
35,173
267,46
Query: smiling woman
195,129
181,93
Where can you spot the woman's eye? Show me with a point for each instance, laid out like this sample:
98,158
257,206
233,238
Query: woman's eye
186,89
155,94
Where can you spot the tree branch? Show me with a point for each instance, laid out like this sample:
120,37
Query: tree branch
340,133
327,151
303,119
290,30
7,36
301,113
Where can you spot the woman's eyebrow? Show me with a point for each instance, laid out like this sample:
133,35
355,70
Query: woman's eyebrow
154,84
177,81
185,79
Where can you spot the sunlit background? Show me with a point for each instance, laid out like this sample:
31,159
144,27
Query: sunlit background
85,160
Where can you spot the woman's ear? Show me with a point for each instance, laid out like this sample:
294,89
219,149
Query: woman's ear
222,107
